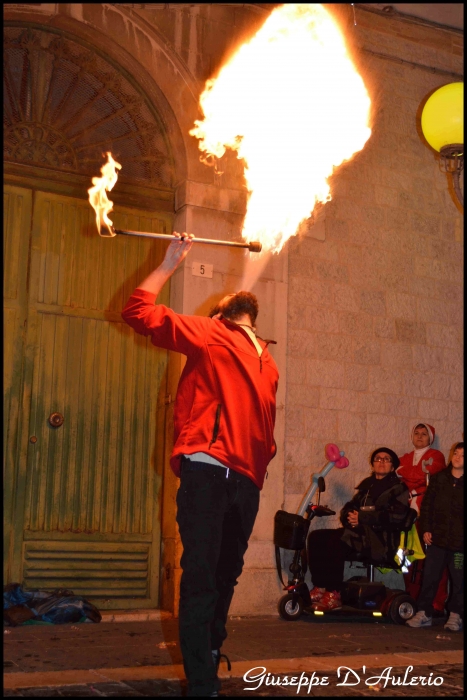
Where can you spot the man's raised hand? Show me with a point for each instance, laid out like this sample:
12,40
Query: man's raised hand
177,251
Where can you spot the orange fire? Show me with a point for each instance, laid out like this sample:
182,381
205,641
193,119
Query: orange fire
292,105
98,197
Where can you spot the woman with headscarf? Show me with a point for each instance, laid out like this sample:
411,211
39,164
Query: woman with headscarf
416,468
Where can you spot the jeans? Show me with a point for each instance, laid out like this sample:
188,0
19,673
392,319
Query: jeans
216,511
437,558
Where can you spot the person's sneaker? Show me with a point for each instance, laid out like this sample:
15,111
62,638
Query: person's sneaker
454,622
330,600
316,594
420,620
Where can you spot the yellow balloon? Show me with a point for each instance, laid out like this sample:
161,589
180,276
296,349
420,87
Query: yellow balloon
443,116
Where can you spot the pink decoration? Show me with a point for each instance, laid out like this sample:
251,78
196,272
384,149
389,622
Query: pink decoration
334,455
332,452
342,463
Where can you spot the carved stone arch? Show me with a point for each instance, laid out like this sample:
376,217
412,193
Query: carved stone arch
66,103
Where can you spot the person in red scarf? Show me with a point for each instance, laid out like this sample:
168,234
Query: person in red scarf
415,470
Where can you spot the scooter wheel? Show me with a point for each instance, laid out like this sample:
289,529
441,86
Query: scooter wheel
288,610
402,608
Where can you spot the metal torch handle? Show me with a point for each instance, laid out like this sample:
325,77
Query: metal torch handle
254,246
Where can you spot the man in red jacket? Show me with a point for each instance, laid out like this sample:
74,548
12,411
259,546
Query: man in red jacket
223,442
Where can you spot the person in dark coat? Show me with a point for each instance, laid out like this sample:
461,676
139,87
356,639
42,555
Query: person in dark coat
372,522
442,525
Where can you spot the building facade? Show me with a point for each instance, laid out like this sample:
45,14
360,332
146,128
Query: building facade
366,305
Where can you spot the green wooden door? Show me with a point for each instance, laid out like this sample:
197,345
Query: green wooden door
87,492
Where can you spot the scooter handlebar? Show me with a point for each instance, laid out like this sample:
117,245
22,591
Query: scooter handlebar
320,511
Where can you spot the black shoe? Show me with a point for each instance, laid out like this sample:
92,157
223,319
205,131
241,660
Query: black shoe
217,656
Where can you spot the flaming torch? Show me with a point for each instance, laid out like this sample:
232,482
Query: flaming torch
292,105
103,206
98,198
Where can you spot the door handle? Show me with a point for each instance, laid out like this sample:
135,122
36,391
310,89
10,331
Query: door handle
56,420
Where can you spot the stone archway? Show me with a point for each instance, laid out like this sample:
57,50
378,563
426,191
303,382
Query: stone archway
65,105
145,71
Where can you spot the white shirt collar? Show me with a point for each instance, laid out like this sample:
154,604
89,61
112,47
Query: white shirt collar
418,454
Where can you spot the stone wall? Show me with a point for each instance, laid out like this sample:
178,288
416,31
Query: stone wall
375,286
375,324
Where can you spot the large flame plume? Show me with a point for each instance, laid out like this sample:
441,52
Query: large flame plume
98,197
293,106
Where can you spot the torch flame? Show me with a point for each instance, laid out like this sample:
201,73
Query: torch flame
98,197
292,105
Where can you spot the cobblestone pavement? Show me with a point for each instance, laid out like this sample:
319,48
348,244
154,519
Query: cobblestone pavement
452,686
130,645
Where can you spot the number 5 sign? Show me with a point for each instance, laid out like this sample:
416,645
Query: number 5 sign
201,270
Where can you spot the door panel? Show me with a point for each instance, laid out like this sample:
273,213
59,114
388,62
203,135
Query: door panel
93,483
17,208
89,474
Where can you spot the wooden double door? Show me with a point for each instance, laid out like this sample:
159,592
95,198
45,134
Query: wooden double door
84,413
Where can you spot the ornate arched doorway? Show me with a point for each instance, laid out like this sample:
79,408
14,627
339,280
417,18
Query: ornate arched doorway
82,497
64,105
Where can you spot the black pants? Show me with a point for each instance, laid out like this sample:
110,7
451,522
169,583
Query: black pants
216,513
437,558
327,555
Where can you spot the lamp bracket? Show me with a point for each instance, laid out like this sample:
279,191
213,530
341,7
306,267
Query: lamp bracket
451,158
451,162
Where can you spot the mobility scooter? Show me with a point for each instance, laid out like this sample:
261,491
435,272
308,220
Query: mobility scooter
361,595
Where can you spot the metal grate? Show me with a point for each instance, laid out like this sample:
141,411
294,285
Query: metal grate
88,568
65,106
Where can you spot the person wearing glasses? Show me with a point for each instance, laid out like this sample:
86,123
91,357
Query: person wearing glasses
371,521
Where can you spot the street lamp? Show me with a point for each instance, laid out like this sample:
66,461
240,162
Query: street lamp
443,128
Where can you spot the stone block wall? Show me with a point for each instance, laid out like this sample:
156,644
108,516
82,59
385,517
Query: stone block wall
375,310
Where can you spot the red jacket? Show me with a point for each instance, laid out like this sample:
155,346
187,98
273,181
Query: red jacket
226,397
414,477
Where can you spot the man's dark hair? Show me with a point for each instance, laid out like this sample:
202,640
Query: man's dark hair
237,305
